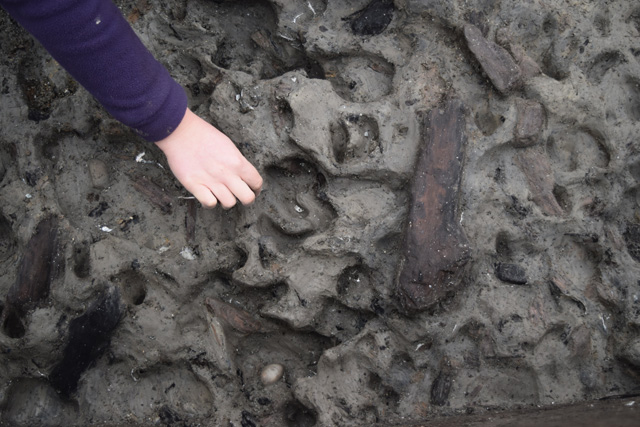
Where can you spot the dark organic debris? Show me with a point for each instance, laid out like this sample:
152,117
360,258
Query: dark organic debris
632,238
99,210
37,267
560,286
190,221
537,170
89,337
529,124
436,248
154,193
373,19
511,273
441,386
41,263
502,70
298,415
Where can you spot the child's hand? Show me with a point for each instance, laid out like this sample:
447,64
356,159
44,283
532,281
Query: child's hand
209,165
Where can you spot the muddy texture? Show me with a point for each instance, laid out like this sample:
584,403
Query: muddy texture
124,303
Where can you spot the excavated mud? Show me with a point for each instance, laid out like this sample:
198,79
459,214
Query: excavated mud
396,277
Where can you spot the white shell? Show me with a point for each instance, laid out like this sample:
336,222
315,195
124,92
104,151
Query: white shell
271,373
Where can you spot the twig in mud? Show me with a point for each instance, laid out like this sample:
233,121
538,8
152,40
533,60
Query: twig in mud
190,221
153,192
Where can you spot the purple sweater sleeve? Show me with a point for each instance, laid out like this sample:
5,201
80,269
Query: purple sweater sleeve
95,44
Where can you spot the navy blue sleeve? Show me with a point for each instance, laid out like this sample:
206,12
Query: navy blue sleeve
95,44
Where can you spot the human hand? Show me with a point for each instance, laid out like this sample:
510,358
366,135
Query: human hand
209,165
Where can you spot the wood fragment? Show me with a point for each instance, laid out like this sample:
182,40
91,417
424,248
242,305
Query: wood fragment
39,265
190,221
441,386
153,192
535,165
220,348
560,286
235,317
529,123
436,248
528,67
500,67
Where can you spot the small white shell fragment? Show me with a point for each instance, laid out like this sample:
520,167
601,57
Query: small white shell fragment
298,209
139,157
106,229
271,373
28,195
163,249
187,253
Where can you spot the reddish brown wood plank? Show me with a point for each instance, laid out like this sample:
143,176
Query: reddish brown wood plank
436,248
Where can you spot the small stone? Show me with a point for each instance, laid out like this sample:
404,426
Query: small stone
271,373
510,273
99,174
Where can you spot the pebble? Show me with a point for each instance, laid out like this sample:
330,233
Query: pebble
271,373
511,273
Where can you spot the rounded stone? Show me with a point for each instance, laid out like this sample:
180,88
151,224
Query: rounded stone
271,373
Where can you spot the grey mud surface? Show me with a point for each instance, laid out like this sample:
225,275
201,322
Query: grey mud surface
121,334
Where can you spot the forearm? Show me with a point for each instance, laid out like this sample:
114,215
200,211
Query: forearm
95,44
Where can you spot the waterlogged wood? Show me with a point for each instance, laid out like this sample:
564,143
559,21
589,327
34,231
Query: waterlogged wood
38,266
154,193
190,221
529,123
500,67
237,318
535,165
436,248
441,386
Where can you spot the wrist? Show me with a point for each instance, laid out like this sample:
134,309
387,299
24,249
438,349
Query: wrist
182,128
